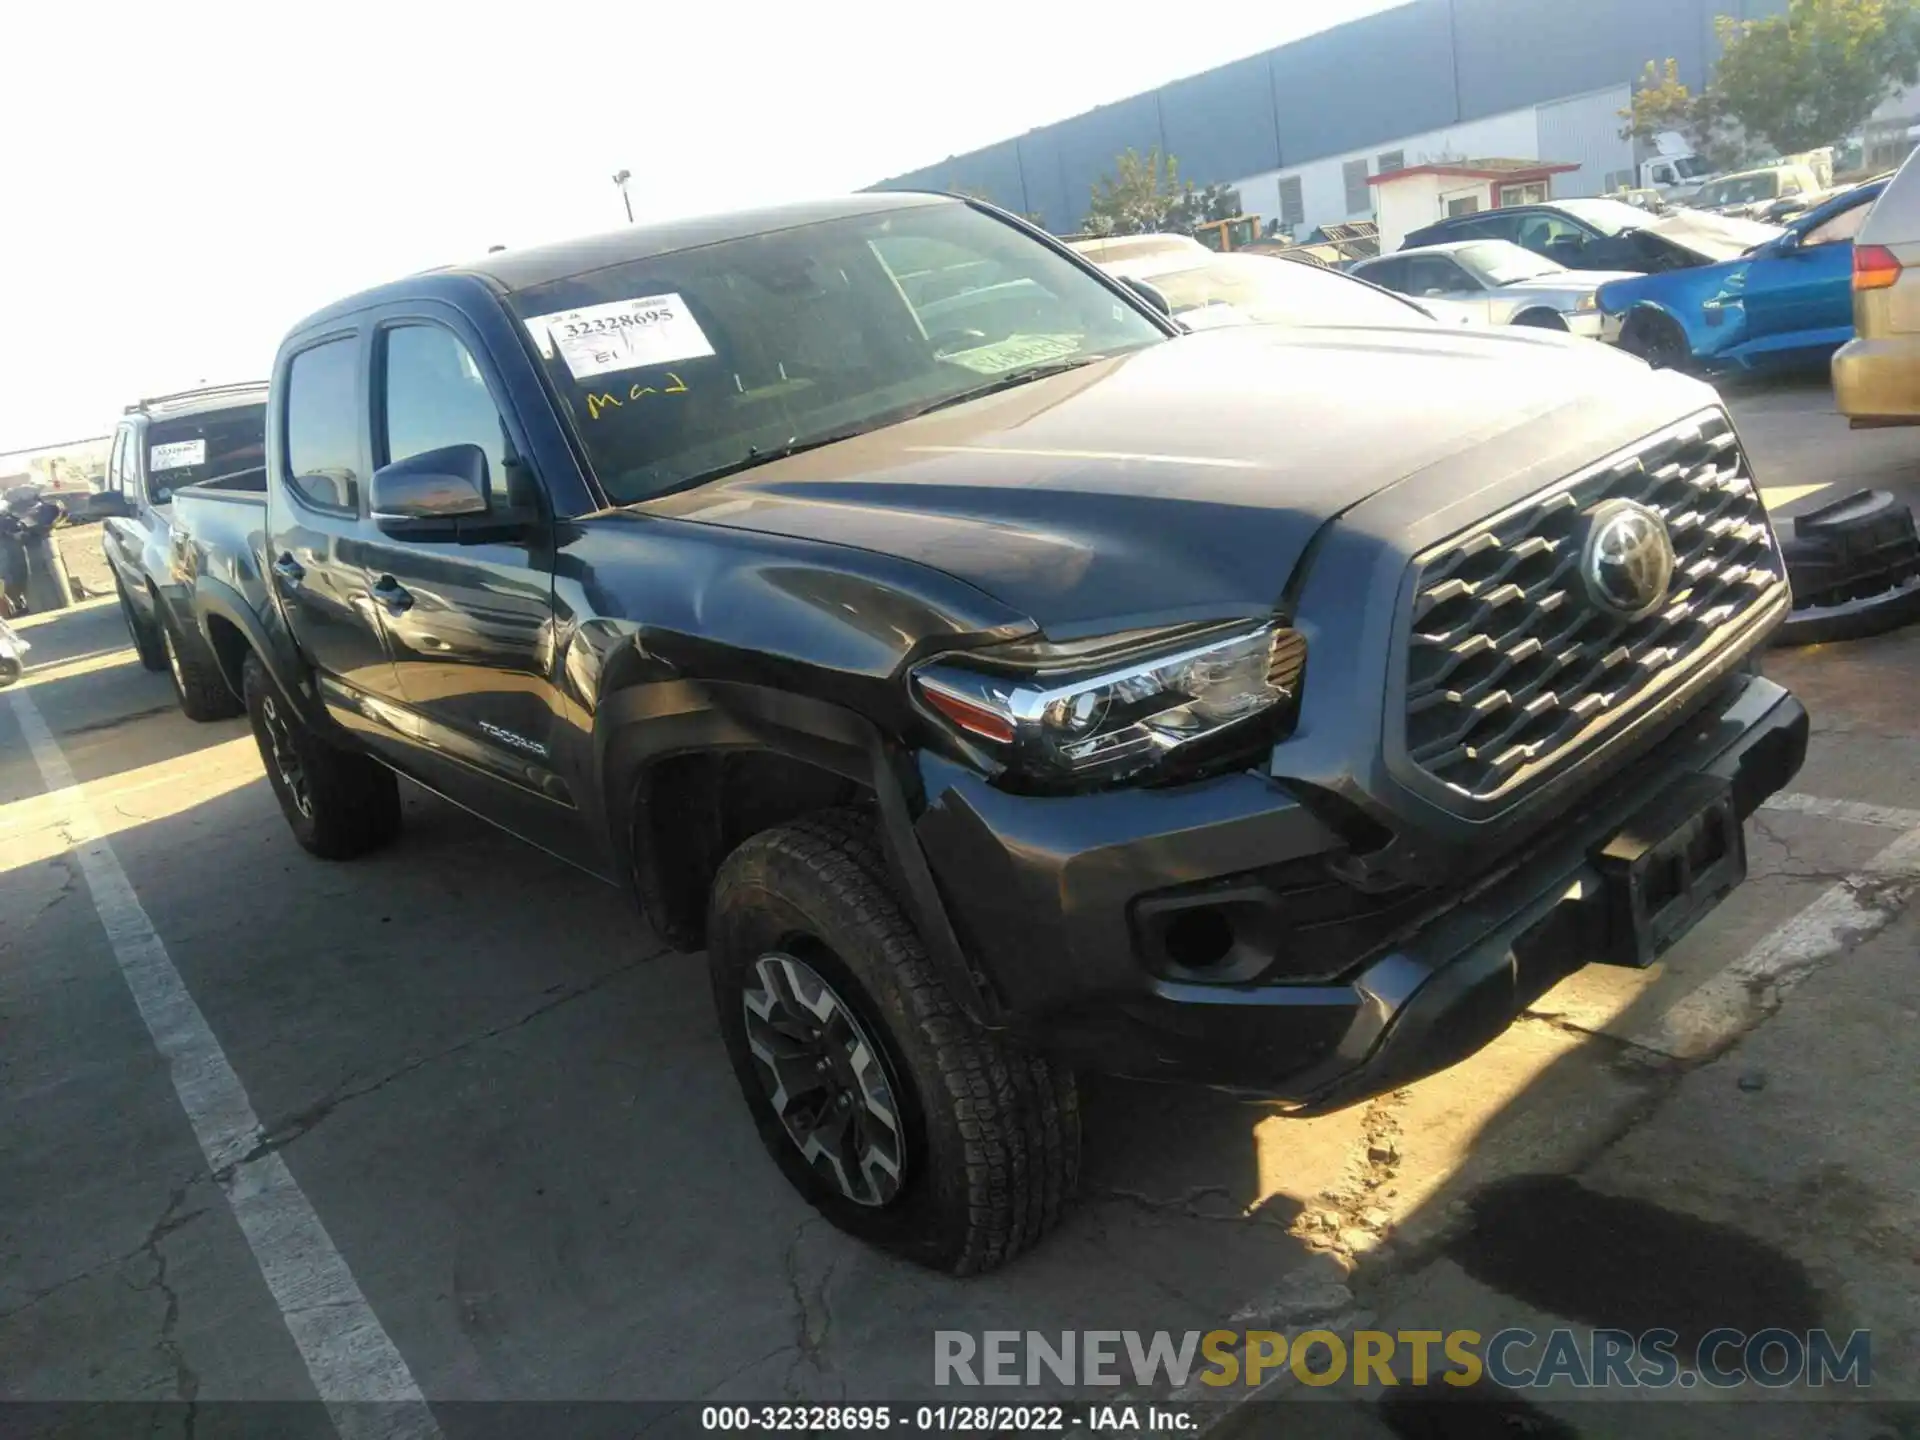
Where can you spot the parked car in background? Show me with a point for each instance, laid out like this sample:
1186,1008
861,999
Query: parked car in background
1503,283
1876,374
1748,192
1605,234
218,435
1788,301
1207,290
958,703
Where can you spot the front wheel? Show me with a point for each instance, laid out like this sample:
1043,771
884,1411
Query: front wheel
1656,340
338,804
900,1120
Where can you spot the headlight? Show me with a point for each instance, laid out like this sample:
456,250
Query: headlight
1588,301
1052,713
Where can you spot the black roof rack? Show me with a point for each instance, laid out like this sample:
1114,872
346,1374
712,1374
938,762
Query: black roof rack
196,393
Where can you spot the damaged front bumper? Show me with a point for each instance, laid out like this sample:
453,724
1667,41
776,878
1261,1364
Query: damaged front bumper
1072,907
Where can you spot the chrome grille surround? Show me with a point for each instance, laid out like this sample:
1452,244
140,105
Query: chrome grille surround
1512,669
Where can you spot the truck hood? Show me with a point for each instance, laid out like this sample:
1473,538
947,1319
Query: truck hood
1566,282
1187,479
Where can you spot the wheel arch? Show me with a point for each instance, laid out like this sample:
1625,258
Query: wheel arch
1539,317
233,631
688,770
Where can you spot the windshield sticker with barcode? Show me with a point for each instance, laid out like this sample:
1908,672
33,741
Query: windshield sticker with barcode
624,335
1014,352
177,455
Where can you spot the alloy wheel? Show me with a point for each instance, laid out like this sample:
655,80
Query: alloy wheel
825,1078
286,759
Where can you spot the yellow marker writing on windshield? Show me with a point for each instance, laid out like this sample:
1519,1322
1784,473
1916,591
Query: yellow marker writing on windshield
600,400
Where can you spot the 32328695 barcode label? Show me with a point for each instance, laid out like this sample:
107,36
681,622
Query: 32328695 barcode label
622,335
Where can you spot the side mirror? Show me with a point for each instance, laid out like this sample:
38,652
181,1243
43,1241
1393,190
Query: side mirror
1147,293
429,493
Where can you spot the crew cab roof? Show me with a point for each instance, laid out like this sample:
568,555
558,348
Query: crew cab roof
198,402
510,270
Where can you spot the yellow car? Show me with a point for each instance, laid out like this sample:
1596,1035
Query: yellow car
1876,375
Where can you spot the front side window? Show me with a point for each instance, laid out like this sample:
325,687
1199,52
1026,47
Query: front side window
681,366
323,424
435,396
213,445
116,461
1436,275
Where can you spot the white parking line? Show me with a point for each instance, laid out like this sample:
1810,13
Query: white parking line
347,1353
1855,811
1859,905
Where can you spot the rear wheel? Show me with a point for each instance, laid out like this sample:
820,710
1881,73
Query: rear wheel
147,643
338,804
1656,340
901,1120
202,690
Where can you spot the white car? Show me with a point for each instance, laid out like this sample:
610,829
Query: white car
1207,289
1504,283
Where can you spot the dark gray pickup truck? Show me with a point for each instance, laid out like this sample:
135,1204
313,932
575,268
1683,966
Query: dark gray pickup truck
999,681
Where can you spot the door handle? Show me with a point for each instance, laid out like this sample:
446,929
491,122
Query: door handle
392,594
289,570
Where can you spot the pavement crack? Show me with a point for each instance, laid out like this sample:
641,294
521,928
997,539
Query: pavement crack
170,1224
813,1315
1186,1204
67,886
186,1383
303,1122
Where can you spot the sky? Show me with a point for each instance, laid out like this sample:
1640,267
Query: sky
180,183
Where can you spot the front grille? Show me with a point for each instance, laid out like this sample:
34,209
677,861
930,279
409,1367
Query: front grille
1512,668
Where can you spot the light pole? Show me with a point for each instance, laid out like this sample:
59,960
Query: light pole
620,178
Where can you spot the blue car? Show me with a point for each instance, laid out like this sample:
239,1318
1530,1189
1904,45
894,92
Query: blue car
1786,302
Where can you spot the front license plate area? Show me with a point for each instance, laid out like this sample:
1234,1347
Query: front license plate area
1668,866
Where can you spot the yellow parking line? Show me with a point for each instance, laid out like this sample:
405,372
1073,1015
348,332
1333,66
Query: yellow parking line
1778,495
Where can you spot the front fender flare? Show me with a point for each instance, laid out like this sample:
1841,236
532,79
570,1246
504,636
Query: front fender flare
646,723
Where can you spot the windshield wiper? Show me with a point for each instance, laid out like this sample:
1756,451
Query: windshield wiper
1007,381
765,455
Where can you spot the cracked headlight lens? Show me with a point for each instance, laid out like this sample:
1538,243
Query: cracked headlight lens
1048,713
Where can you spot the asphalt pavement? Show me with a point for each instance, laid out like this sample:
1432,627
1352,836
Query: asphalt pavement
487,1118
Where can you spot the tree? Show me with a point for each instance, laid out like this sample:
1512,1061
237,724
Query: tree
1140,198
1814,74
1218,201
1804,78
1662,103
1146,196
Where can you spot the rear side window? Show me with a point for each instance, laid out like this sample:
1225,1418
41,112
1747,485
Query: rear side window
227,445
323,424
435,396
1896,214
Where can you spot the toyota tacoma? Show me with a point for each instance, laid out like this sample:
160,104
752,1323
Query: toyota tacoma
999,682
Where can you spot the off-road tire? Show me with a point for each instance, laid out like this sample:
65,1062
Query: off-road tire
992,1129
147,643
351,803
199,686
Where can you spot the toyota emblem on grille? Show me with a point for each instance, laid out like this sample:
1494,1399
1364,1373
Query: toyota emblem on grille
1628,560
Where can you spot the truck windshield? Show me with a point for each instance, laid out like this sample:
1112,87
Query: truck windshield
188,449
682,366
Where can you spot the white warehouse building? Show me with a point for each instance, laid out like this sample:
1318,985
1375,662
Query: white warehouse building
1582,130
